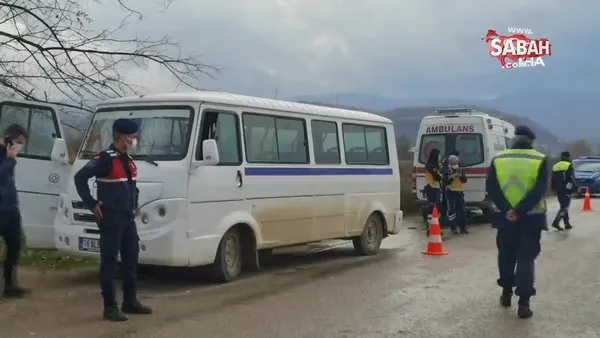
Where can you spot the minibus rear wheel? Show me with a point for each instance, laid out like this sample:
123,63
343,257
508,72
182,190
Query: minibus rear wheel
228,261
369,242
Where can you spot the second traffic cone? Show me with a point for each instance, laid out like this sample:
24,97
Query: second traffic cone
587,202
435,247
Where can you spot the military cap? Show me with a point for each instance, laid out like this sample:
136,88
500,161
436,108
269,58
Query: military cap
524,131
124,126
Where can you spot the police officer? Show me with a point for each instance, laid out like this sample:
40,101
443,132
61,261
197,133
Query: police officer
13,142
455,196
516,184
115,210
433,181
563,182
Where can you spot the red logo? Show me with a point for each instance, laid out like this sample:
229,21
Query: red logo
520,50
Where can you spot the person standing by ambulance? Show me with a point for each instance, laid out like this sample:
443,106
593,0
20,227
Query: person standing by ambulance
563,183
433,179
455,196
115,210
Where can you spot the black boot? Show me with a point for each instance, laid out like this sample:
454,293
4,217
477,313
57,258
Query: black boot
506,298
556,226
454,231
524,311
11,286
464,231
136,308
114,314
568,226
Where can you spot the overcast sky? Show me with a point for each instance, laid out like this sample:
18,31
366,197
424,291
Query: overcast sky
394,48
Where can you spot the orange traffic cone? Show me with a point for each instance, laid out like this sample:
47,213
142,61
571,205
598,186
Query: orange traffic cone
587,202
435,246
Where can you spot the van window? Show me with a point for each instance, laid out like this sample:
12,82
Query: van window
365,144
270,139
39,122
325,142
223,127
469,146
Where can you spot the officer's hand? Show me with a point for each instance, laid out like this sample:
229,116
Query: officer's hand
137,211
12,152
511,216
97,210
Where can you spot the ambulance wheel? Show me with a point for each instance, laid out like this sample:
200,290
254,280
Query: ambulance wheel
228,261
369,242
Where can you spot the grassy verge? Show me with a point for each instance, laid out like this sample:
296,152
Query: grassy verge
50,259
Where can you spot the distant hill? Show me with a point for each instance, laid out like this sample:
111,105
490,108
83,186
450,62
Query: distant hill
407,122
568,114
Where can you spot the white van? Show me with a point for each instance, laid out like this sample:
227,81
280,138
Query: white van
477,136
42,167
223,176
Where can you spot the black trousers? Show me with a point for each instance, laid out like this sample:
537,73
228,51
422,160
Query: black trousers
118,234
10,230
564,200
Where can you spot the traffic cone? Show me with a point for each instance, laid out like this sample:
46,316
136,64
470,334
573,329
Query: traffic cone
587,202
435,247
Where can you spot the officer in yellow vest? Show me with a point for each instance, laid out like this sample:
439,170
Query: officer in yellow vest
455,196
563,183
516,184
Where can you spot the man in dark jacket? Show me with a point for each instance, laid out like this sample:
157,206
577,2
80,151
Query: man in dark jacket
115,209
14,140
516,183
563,183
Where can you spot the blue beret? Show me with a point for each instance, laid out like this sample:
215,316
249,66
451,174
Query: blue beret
125,126
524,131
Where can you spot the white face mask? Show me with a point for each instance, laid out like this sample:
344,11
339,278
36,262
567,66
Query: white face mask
131,145
455,166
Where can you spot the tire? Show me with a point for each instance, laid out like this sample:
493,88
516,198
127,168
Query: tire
228,261
369,242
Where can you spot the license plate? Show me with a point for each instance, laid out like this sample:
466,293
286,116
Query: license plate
89,244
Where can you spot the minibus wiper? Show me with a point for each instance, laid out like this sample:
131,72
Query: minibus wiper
151,162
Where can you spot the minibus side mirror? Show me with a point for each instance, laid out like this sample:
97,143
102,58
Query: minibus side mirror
59,152
210,152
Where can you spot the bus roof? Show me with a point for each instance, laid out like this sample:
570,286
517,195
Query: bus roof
248,101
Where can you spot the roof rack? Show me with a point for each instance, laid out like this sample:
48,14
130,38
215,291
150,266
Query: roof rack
445,111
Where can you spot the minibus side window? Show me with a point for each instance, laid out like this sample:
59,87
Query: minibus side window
223,127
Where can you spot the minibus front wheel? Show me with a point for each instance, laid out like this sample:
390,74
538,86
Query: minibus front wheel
228,261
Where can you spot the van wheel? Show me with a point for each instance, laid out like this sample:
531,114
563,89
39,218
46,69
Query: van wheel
369,242
228,261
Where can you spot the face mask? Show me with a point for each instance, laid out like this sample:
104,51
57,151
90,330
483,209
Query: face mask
455,166
131,143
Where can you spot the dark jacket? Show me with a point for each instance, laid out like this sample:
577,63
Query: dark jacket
434,170
560,179
527,204
9,198
116,176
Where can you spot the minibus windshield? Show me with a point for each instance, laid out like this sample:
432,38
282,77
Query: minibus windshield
164,132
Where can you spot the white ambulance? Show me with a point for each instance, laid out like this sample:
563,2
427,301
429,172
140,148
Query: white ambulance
477,136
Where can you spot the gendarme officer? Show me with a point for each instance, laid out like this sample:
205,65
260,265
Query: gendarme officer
115,209
517,183
563,182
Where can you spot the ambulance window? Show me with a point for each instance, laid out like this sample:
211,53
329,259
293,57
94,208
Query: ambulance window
470,148
429,142
508,141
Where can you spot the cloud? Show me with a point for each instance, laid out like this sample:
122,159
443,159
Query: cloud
397,48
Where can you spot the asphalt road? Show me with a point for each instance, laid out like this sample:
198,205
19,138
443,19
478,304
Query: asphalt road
400,293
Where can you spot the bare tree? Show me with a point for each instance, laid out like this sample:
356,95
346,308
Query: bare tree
580,148
50,43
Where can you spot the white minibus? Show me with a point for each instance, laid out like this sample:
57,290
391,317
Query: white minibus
223,177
